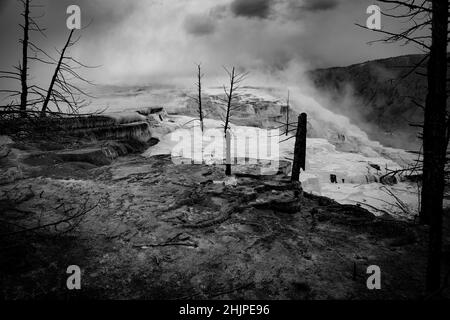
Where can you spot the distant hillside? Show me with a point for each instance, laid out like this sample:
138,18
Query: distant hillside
384,102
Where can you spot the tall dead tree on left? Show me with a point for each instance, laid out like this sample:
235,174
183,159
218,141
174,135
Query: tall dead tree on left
24,67
55,75
20,73
62,90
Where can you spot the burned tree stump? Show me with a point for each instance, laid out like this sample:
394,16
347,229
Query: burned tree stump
300,148
333,178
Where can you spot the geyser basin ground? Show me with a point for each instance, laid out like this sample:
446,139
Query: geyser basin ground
165,231
356,173
335,145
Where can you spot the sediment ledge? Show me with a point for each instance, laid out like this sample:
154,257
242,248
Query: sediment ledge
134,125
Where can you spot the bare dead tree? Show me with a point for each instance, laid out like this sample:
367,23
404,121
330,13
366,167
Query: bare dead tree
232,93
435,141
231,96
55,75
428,28
61,89
20,72
198,98
24,67
286,124
64,91
199,86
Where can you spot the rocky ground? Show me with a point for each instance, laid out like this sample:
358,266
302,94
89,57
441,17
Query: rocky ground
145,228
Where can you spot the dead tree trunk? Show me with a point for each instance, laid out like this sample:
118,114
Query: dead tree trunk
24,68
227,120
434,142
287,115
228,153
199,85
300,148
229,100
231,95
55,76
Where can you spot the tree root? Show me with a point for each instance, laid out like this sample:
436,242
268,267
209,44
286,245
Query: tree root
212,222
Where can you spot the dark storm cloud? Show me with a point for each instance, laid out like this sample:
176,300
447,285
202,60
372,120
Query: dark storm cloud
299,10
251,8
285,9
199,25
319,5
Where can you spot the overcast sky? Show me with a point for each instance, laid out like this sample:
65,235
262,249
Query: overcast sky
146,41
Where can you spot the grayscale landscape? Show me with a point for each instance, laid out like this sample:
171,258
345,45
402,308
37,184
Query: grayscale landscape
238,150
